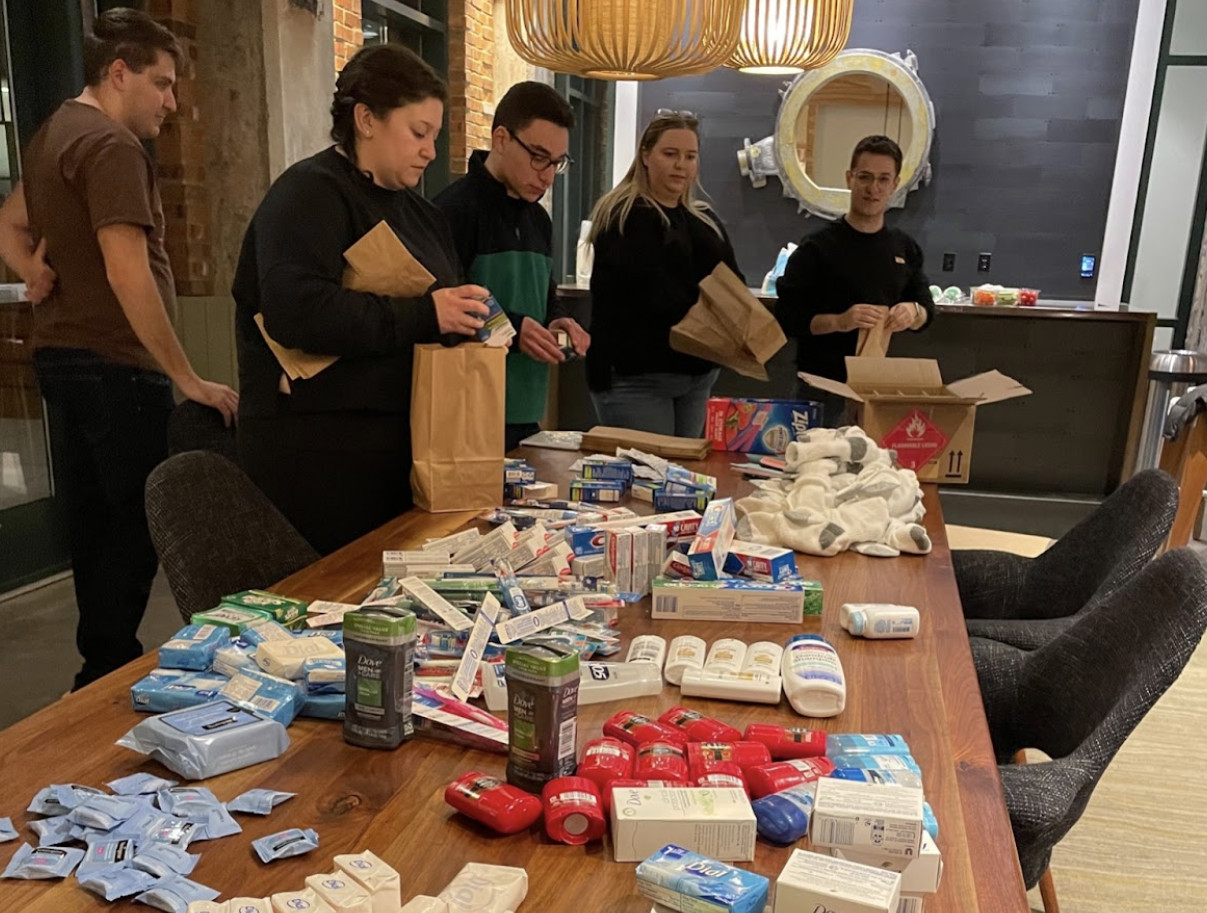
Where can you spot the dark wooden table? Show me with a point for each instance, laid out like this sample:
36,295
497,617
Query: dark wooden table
392,802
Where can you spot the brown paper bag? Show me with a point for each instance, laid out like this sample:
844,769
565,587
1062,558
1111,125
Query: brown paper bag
457,440
873,343
377,263
729,326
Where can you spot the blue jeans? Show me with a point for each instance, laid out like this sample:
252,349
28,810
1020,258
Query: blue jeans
675,404
108,426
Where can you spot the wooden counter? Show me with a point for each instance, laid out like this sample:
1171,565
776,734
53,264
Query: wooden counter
391,802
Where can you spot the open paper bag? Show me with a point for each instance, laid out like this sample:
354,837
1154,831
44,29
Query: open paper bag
729,326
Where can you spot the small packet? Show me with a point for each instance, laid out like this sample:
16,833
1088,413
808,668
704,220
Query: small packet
258,801
139,784
163,860
60,798
176,893
219,823
136,824
42,862
116,881
187,801
105,853
293,842
175,832
104,812
52,831
7,832
324,675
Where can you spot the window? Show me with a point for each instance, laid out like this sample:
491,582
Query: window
574,195
421,26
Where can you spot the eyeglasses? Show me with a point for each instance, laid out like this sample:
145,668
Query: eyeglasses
671,114
867,179
541,160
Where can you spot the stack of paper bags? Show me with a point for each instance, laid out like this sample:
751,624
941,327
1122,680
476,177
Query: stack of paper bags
729,326
602,439
378,263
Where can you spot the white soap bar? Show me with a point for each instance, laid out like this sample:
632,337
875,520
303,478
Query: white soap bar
208,906
299,902
284,658
421,903
811,881
250,905
340,892
377,878
482,888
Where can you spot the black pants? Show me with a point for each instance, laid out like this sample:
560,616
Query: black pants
335,476
108,430
836,411
516,433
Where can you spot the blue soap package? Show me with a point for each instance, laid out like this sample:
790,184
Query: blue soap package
202,742
276,698
324,675
848,743
783,817
165,690
335,635
193,647
890,762
238,654
681,879
324,706
267,630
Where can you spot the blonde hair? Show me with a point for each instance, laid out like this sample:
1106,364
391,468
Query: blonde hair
614,206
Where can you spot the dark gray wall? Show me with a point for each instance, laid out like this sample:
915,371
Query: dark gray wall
1028,98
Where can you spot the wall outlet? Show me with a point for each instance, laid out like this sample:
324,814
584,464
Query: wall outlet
949,262
983,261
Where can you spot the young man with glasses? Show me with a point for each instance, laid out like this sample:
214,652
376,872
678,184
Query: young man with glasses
853,274
504,237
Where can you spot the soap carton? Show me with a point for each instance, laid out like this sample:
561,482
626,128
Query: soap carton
718,823
766,426
282,608
867,818
234,619
760,562
811,881
711,545
736,599
920,875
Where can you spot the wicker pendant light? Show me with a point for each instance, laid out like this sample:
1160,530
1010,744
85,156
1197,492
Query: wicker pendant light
625,39
780,37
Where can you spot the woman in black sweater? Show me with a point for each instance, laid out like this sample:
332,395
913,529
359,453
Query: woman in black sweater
333,452
654,242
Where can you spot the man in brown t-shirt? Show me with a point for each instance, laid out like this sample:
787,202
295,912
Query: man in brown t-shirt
85,232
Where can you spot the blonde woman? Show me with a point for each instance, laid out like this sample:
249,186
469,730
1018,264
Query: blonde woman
654,242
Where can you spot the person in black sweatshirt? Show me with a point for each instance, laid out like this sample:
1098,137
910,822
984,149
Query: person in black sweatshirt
852,275
333,452
654,242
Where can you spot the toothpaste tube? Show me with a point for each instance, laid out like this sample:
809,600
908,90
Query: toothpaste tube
450,545
435,603
523,626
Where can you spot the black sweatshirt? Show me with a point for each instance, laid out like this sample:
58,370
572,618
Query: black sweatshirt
290,269
835,268
644,281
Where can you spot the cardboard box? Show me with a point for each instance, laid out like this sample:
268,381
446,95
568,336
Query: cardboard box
597,491
812,882
920,875
736,599
867,818
718,823
908,408
746,425
760,562
711,545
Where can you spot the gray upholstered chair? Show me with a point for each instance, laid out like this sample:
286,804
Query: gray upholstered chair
192,426
216,533
1028,601
1079,696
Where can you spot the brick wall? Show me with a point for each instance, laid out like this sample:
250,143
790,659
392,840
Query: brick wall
180,152
471,38
348,34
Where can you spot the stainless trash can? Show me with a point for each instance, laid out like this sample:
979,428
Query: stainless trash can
1170,374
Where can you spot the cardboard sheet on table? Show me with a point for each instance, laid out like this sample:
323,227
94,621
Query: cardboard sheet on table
603,439
378,263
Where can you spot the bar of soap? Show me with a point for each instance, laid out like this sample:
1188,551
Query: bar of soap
422,903
276,698
342,894
193,647
306,901
285,658
205,741
165,690
379,880
683,880
482,888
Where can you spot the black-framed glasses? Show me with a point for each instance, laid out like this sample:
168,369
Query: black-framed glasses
671,114
541,160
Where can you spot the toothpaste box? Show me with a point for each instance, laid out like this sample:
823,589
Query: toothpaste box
540,491
711,546
516,475
718,823
676,566
867,818
496,329
597,491
811,881
667,500
736,599
234,619
760,562
586,540
616,470
685,478
920,875
282,608
766,426
644,490
910,903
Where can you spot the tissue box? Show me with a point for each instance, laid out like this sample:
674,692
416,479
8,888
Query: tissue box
718,823
736,599
766,426
810,881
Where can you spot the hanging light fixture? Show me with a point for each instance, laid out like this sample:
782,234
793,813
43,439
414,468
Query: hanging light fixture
781,37
625,39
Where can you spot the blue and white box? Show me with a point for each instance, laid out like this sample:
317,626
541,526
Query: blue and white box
164,690
711,546
615,470
666,501
597,491
760,562
679,879
586,540
193,647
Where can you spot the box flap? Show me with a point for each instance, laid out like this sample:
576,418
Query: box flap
830,386
990,387
911,372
